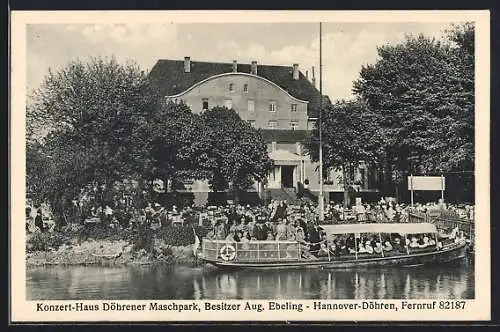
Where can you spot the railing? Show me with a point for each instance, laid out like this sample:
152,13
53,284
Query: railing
255,251
467,227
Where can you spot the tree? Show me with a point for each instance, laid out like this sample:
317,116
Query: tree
172,144
423,92
83,118
349,136
237,150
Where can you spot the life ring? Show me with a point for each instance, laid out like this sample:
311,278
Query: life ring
228,253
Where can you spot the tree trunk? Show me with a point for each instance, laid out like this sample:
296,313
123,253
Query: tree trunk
346,189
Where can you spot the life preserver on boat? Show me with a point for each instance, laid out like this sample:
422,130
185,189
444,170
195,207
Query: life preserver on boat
228,252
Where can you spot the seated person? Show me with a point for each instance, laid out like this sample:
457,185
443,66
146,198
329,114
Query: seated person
361,249
432,242
387,246
368,247
211,235
398,247
424,243
414,243
230,236
323,250
378,247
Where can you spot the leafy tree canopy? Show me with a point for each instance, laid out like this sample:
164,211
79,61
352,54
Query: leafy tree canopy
238,151
423,90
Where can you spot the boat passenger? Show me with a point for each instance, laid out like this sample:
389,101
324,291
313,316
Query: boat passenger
368,247
424,243
398,246
387,246
258,231
290,231
242,226
323,250
231,236
210,235
281,230
414,243
378,247
432,242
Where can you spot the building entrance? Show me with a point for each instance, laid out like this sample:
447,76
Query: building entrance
287,176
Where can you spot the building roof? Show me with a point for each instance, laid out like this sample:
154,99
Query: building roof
284,136
170,78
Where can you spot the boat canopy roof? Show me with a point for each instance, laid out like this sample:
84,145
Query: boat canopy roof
401,228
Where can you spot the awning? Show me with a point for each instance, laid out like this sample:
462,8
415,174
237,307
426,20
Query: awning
410,228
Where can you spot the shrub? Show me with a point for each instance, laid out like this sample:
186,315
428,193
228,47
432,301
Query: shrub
45,241
144,239
180,235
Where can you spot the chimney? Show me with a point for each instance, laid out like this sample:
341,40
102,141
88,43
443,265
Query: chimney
235,66
254,68
187,64
313,80
295,71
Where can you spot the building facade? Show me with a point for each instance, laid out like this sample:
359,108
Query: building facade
279,100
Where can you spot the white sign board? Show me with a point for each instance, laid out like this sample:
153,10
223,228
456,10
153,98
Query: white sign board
426,183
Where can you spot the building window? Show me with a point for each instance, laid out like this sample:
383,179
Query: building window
273,146
272,125
245,87
251,122
205,104
294,108
231,87
251,105
272,106
294,125
228,103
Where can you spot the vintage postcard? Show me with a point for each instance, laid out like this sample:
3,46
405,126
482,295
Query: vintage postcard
250,165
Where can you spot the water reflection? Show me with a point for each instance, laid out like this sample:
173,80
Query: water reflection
452,281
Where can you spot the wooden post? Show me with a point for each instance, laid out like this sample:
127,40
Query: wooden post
411,189
442,188
436,239
407,246
355,247
380,239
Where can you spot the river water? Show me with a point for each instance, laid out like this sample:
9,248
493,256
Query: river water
455,281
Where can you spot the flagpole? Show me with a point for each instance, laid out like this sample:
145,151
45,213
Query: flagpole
321,200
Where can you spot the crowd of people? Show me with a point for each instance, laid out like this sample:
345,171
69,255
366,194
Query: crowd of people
277,220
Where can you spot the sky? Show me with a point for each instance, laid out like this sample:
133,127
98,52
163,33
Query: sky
346,47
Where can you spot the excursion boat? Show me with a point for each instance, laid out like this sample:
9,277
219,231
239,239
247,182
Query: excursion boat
292,254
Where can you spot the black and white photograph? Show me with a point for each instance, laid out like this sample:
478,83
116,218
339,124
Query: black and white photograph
183,167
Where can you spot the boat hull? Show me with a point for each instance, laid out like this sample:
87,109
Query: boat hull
448,254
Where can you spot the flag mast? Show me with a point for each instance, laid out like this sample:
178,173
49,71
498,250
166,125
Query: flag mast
321,200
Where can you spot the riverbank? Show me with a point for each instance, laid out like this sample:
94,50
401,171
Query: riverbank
111,247
107,253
